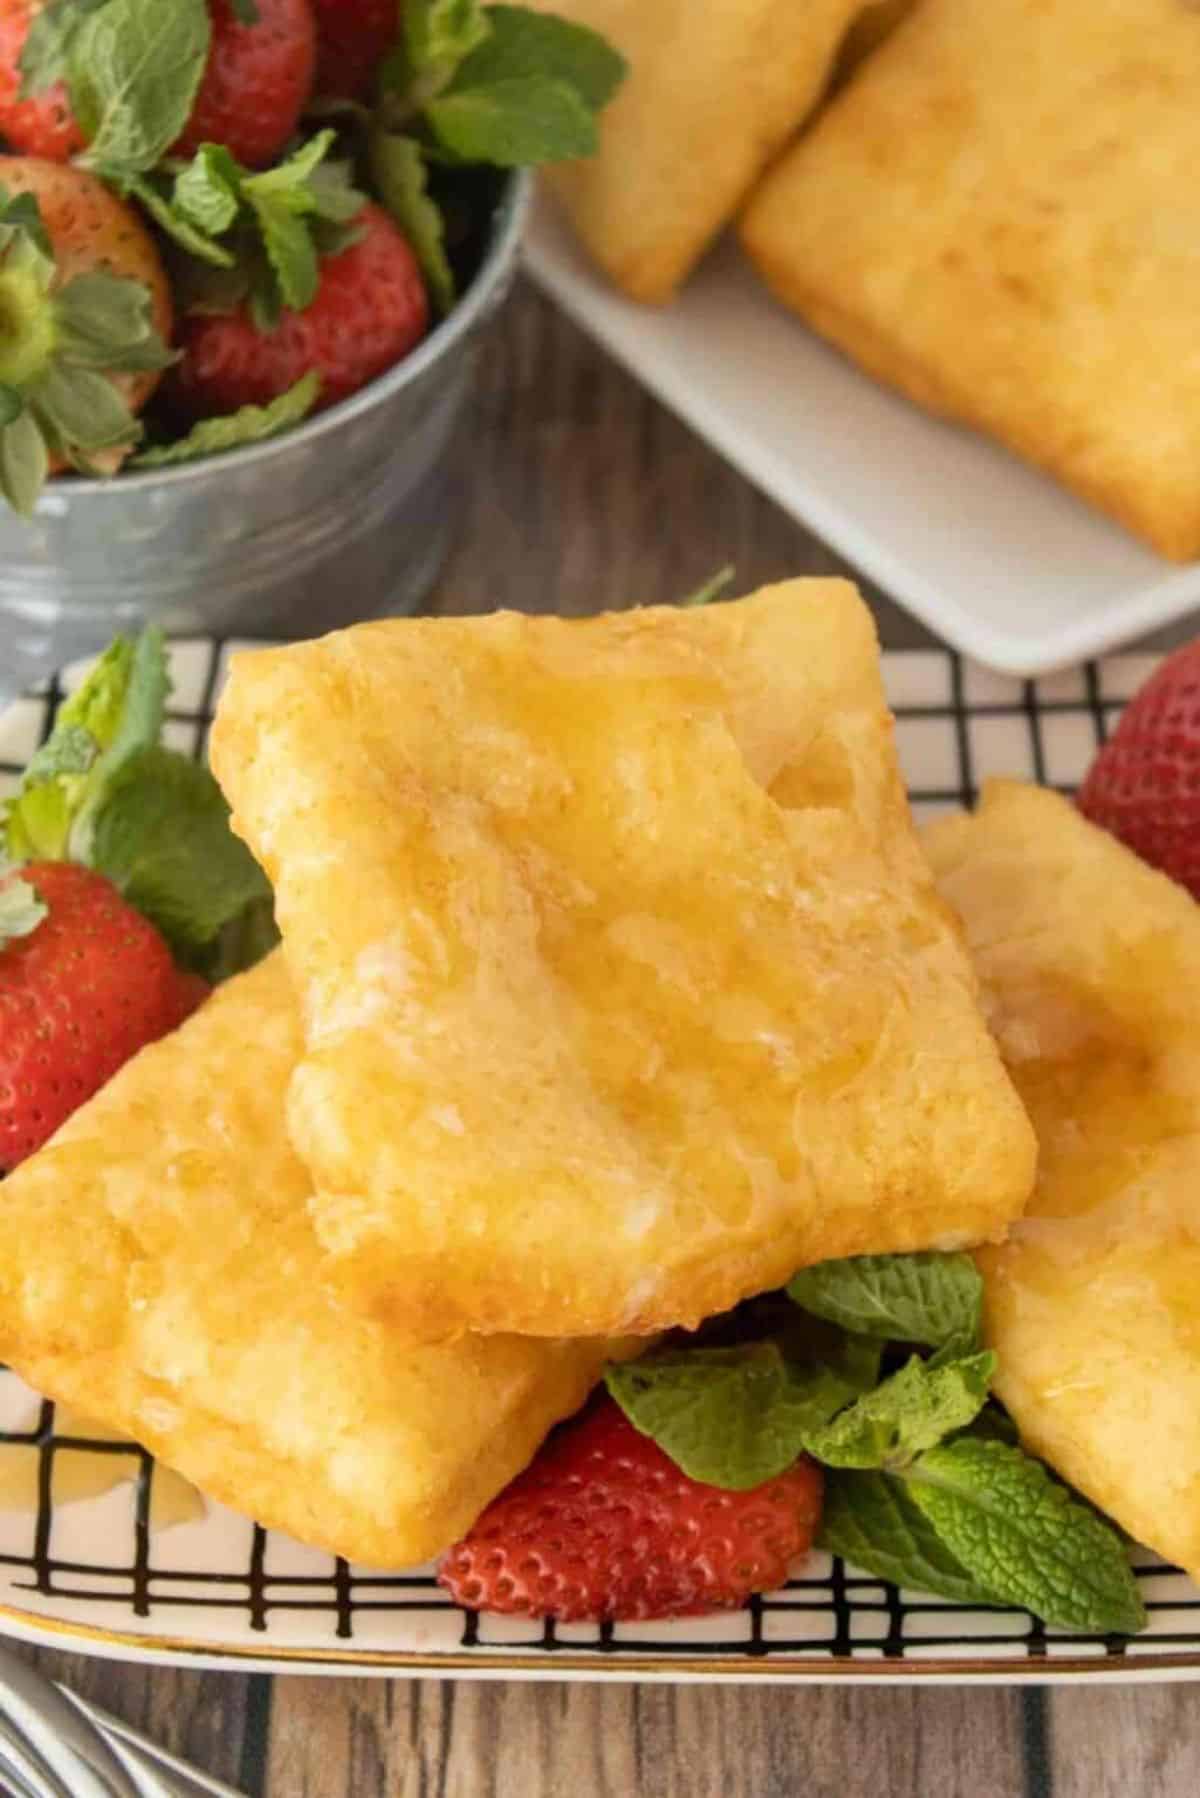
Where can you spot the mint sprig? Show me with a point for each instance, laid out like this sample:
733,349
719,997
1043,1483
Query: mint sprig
258,237
928,1298
133,70
926,1486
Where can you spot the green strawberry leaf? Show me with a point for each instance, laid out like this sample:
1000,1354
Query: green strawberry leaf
21,910
24,464
81,408
11,405
439,33
118,709
105,322
46,54
21,215
869,1519
735,1417
929,1298
135,68
514,123
526,45
245,11
1024,1538
162,836
906,1414
252,424
401,173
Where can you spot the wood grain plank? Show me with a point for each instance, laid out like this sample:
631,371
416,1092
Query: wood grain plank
412,1740
201,1716
1123,1741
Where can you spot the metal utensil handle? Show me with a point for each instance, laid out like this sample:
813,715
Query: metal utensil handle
54,1745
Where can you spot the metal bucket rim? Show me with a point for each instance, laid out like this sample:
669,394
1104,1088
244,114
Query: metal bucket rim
508,224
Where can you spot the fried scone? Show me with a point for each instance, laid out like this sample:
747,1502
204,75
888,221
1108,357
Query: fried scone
712,93
1090,964
161,1273
999,217
626,988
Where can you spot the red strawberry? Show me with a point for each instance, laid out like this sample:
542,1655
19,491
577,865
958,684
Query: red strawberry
353,36
43,125
256,83
369,312
604,1525
1144,785
82,992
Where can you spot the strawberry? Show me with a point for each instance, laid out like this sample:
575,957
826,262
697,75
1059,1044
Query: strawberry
85,982
257,80
604,1525
369,311
84,313
42,123
255,84
1144,785
353,37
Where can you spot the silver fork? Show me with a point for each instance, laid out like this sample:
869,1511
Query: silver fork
54,1744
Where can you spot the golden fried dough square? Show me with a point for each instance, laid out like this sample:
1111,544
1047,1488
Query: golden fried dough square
1090,964
1000,217
161,1273
626,989
712,94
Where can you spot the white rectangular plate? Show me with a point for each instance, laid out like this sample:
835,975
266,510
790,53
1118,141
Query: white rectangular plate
96,1575
993,556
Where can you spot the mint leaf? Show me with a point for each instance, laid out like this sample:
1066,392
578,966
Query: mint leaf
869,1519
288,204
439,33
928,1298
401,175
45,54
713,587
135,68
174,223
244,11
115,711
525,44
735,1417
208,191
252,424
906,1414
239,944
721,1414
1024,1538
163,837
514,123
21,910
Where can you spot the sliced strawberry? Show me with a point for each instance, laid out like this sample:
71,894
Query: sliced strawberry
1144,785
80,994
604,1525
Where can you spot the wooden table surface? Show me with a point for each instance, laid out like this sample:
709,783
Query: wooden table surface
580,493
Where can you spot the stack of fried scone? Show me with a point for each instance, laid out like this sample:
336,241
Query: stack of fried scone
995,214
614,986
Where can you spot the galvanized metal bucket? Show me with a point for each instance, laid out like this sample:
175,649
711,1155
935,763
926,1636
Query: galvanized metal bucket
347,517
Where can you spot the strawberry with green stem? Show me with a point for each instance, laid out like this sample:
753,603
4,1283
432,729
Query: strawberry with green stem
237,72
85,312
123,892
353,38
